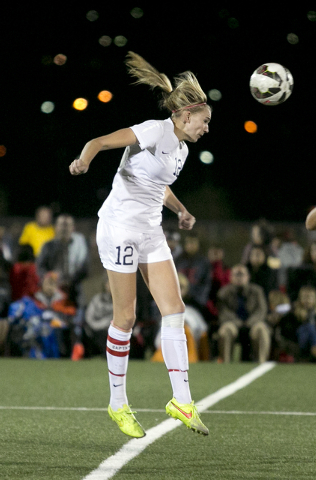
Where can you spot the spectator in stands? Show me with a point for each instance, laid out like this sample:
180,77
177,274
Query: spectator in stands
220,272
195,266
4,329
39,231
5,244
194,320
220,276
98,317
279,304
242,317
67,254
24,279
297,329
5,289
46,325
260,272
291,255
261,234
302,274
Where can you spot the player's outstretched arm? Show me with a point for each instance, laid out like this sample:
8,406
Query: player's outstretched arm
186,220
119,139
310,222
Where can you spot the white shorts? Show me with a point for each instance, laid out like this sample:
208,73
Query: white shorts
121,250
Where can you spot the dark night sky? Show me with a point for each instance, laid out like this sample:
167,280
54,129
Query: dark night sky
267,174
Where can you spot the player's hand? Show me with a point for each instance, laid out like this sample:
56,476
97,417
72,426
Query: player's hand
186,220
77,167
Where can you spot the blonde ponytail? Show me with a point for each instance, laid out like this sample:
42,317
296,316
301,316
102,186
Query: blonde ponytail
146,73
187,91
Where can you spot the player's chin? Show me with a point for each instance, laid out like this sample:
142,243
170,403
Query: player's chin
198,137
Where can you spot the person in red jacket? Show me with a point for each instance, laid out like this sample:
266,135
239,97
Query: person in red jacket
220,274
23,277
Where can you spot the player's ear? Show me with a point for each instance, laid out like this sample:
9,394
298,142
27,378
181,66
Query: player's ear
186,116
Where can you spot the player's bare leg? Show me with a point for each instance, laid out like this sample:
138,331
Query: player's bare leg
162,281
123,290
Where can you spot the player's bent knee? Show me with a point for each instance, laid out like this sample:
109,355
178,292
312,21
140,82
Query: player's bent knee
176,307
124,322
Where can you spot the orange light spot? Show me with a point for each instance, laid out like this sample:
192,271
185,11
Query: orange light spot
60,59
250,127
3,150
80,104
105,96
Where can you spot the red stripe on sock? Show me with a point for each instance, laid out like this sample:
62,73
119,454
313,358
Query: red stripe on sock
115,353
117,375
174,370
117,342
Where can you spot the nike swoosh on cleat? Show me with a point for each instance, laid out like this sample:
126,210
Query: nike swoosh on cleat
165,153
188,415
118,385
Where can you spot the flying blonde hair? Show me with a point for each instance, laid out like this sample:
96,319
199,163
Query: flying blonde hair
186,93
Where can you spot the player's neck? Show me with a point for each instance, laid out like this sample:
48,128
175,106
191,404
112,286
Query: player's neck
179,133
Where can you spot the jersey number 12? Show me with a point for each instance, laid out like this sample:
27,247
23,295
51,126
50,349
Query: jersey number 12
129,253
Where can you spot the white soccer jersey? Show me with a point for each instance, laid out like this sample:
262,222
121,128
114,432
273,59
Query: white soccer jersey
136,198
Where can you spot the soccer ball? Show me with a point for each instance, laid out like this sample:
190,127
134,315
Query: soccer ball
271,84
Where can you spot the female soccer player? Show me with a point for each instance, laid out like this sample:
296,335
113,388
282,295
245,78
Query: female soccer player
130,235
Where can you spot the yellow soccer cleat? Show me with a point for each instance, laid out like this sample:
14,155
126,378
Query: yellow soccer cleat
126,421
188,414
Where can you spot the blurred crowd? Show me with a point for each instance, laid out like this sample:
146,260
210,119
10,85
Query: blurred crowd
261,308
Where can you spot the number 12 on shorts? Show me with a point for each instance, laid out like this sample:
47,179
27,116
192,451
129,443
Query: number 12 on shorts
120,256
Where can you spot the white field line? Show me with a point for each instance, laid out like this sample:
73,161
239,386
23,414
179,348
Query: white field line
68,409
134,447
240,412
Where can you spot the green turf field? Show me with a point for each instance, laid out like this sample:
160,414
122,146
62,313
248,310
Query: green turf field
254,433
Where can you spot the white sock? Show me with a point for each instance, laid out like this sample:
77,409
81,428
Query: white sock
175,354
117,354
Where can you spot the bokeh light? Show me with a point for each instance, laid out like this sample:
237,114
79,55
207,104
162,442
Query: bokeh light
80,104
137,12
120,41
47,107
105,40
206,157
215,94
292,38
224,13
311,15
250,126
92,15
3,150
105,96
233,22
60,59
